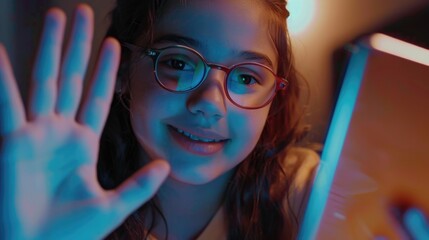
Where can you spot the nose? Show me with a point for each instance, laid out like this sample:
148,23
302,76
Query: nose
208,100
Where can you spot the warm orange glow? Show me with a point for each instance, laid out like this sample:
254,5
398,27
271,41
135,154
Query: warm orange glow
400,48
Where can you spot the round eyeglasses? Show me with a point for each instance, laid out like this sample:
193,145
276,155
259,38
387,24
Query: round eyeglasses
180,69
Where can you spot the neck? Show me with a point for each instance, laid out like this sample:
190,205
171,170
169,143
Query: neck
188,208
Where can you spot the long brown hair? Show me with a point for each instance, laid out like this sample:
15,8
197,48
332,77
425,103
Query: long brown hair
255,195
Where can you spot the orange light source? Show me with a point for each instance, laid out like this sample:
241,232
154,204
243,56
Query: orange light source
400,48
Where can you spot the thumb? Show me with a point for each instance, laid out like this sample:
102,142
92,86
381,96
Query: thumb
139,188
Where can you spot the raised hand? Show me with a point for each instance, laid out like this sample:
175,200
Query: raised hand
48,153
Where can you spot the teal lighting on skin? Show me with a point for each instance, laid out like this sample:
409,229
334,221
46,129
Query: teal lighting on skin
334,143
416,224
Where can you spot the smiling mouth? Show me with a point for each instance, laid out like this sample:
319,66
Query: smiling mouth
203,144
198,138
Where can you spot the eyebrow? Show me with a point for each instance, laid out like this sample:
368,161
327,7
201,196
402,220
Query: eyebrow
255,56
191,42
178,39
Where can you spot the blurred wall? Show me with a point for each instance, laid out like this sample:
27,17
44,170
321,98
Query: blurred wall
7,24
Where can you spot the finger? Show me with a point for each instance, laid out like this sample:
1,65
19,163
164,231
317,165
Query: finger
416,224
12,115
97,101
138,189
45,73
75,62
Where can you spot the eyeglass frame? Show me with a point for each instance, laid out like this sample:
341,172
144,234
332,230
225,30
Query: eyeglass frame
153,53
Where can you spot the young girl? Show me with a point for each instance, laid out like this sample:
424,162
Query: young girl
199,140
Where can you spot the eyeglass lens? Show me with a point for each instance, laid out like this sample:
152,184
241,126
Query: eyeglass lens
248,85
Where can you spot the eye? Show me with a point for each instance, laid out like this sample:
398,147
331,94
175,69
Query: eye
177,62
248,75
246,79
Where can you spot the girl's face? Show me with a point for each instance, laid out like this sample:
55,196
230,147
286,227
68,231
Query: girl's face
201,133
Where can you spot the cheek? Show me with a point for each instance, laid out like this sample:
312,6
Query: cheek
142,125
146,101
142,97
147,97
247,127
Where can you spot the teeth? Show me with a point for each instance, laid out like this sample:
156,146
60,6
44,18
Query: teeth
195,138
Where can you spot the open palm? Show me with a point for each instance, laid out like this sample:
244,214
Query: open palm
49,149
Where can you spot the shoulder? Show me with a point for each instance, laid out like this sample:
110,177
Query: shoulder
300,165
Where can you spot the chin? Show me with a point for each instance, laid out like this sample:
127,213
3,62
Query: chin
198,176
